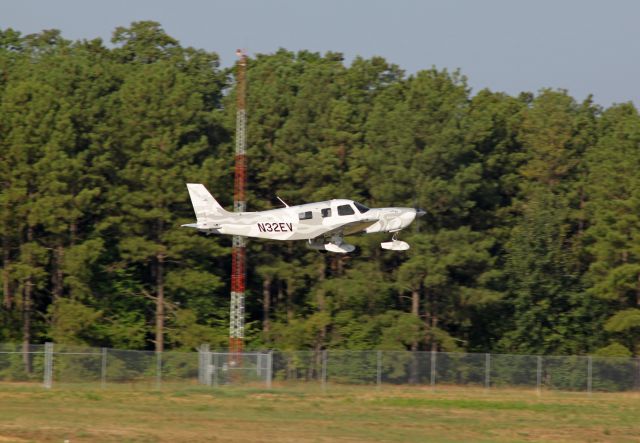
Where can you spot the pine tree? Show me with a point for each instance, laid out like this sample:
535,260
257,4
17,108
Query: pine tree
611,241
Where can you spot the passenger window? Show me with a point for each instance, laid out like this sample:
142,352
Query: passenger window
326,212
305,215
345,210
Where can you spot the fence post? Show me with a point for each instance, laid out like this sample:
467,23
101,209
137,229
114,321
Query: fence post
433,368
200,365
539,375
323,376
269,368
48,365
103,369
589,374
204,357
213,366
259,364
208,369
158,369
487,371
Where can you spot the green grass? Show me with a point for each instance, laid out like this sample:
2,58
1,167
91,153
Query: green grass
306,414
479,405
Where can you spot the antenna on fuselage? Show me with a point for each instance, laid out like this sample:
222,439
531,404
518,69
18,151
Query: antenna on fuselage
282,201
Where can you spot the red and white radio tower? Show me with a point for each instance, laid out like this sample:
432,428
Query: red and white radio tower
238,264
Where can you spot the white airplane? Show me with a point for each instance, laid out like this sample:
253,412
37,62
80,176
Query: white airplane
323,224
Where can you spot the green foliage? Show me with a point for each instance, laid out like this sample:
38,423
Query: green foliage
543,291
186,333
626,325
125,329
613,350
530,243
624,320
71,321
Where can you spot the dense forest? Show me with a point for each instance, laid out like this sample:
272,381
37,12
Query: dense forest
531,242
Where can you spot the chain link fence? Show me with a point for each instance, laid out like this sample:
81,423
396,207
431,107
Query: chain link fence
59,365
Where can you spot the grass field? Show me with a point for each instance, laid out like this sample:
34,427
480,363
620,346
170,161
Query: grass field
285,414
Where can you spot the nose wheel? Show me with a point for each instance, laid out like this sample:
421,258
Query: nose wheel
395,244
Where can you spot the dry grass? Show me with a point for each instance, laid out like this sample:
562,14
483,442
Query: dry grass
303,414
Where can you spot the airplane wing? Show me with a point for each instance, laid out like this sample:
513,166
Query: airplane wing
349,228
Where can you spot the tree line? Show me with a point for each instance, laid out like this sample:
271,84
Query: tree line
530,243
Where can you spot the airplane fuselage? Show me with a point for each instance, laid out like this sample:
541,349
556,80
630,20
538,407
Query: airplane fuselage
324,224
305,222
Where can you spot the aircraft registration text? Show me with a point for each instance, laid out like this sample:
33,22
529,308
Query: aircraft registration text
275,227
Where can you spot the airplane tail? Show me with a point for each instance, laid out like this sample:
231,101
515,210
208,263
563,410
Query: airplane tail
203,202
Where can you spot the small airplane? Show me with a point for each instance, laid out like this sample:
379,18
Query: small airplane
323,224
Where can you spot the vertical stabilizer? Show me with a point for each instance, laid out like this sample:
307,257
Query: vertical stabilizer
203,202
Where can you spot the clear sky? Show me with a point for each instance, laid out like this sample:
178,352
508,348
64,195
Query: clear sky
585,46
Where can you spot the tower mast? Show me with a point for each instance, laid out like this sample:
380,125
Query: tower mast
238,263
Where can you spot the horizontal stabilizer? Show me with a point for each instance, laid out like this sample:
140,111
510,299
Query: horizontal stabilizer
203,226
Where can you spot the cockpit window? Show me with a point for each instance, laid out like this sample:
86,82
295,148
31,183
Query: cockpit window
361,208
345,210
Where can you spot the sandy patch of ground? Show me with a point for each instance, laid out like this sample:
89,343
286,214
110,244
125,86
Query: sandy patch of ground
5,438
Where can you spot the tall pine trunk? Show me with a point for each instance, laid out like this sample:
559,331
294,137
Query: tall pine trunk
73,232
266,304
431,321
27,300
6,257
160,302
434,324
26,324
320,295
289,293
320,300
6,276
57,274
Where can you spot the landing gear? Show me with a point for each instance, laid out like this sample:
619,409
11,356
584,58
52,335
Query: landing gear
395,244
336,244
342,248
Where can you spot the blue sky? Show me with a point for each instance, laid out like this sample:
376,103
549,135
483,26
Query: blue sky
587,47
